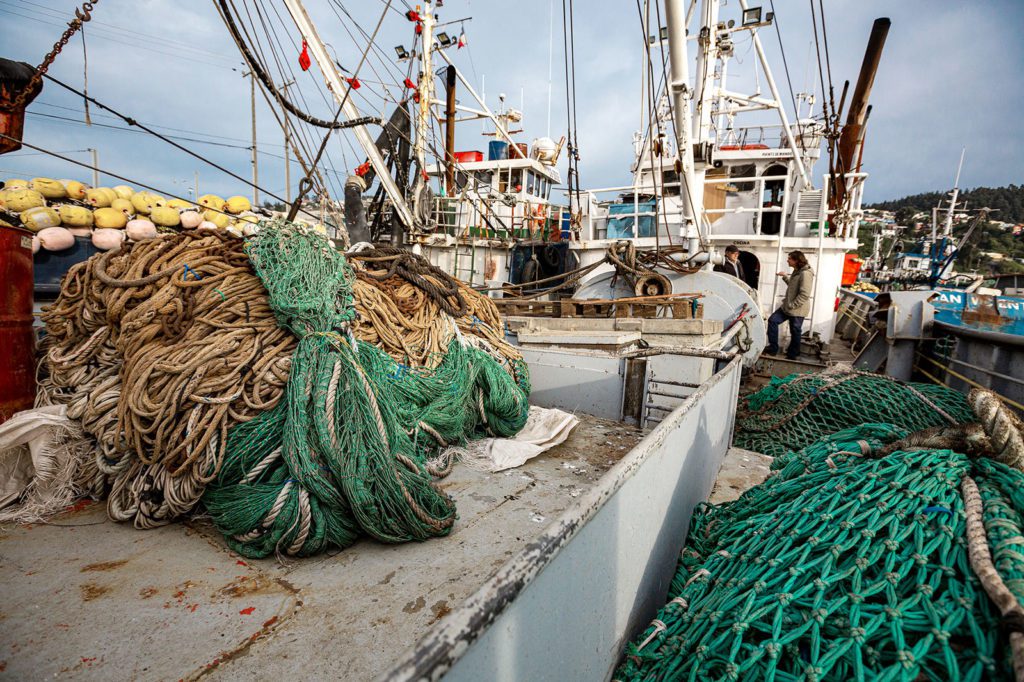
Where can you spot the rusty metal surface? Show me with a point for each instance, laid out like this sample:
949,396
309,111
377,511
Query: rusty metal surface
17,340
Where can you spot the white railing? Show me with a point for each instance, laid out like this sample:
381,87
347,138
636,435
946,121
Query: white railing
472,216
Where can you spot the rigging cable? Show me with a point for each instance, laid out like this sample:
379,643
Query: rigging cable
305,181
132,122
831,120
569,47
287,74
267,82
785,62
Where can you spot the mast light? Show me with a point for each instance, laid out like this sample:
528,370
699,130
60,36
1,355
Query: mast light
401,52
445,40
662,35
752,16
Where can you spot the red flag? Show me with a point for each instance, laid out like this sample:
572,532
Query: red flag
304,57
462,40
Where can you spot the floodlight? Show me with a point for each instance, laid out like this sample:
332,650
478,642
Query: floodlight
752,16
402,52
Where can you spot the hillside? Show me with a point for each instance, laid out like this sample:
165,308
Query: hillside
1009,201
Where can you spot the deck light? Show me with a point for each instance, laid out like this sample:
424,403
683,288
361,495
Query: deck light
752,16
402,52
445,40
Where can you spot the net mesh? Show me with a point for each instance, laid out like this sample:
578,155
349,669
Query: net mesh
793,412
842,565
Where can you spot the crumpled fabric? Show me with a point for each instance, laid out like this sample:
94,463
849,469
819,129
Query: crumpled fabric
545,428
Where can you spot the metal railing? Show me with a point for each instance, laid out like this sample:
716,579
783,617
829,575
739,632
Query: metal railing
473,216
770,136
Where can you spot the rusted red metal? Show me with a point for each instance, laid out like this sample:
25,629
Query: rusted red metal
17,340
14,78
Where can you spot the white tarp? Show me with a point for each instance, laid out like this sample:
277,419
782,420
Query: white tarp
34,453
545,428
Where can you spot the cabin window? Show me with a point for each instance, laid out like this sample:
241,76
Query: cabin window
515,183
670,183
482,179
745,170
912,264
531,185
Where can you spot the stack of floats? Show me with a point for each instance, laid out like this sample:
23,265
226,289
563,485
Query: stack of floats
302,397
57,211
873,553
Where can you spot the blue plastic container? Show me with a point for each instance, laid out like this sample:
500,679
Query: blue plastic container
497,150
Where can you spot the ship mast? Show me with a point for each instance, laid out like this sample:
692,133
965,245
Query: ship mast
947,230
679,88
339,89
425,89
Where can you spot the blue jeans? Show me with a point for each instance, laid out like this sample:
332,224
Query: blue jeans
795,327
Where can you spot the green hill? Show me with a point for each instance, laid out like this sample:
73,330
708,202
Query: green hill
1008,202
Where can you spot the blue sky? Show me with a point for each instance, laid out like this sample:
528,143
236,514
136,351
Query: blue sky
950,76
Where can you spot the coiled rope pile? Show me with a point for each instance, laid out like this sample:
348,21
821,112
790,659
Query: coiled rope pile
793,412
853,561
303,400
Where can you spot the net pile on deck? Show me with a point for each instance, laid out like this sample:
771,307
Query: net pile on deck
794,411
867,555
305,397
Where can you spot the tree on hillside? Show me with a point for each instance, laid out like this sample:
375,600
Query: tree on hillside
1008,201
905,215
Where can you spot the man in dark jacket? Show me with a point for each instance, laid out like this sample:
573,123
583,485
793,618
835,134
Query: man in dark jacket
795,307
732,265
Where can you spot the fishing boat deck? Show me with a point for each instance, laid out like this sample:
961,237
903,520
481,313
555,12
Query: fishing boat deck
86,598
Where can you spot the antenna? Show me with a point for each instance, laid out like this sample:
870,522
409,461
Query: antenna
551,56
948,228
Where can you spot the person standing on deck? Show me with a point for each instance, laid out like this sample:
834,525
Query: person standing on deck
732,265
795,307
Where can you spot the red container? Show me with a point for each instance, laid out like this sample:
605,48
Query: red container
17,341
851,269
468,157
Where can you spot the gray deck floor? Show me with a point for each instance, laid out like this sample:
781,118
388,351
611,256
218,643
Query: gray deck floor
85,598
741,470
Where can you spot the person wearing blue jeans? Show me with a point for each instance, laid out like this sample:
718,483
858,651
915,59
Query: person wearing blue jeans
795,306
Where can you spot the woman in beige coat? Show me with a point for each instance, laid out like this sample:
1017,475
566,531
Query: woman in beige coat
795,307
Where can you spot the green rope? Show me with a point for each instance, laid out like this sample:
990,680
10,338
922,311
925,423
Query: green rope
839,567
793,412
344,454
